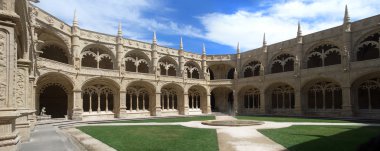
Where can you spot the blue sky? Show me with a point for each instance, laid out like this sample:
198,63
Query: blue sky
220,24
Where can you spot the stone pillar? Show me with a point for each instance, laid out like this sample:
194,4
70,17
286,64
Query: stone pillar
346,104
185,110
122,105
236,100
263,103
157,108
8,56
208,104
297,101
78,105
181,60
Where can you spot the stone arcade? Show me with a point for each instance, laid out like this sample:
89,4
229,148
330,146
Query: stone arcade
85,75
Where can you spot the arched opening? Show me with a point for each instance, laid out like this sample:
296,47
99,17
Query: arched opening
369,48
97,98
168,66
324,95
192,70
252,69
251,99
369,94
54,52
171,101
231,73
221,71
324,55
54,99
283,63
136,62
96,57
223,98
137,99
282,98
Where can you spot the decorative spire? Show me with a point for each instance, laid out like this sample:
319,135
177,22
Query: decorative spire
120,30
204,49
346,16
238,48
181,44
264,41
154,38
75,20
299,32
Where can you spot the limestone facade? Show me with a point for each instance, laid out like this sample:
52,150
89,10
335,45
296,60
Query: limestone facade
85,75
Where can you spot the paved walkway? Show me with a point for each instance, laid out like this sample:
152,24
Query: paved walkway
49,138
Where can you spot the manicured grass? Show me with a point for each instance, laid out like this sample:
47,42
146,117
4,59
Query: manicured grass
322,138
169,120
154,138
289,119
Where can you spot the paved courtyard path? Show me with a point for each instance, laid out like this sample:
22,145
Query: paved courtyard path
49,138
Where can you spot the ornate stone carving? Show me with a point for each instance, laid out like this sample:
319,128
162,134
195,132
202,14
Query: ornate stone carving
2,69
2,94
20,89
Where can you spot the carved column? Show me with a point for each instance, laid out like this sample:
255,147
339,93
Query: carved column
185,110
157,107
78,105
123,107
208,103
235,105
346,104
263,103
297,100
8,55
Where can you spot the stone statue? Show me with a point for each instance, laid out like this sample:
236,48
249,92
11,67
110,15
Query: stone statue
43,111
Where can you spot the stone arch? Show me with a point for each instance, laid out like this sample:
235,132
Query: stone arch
193,70
251,68
171,100
100,97
140,98
136,61
281,98
249,99
53,47
322,95
168,66
368,47
97,56
222,99
54,92
323,54
221,71
366,94
197,97
283,62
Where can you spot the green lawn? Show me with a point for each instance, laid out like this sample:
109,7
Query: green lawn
168,120
322,138
154,138
289,119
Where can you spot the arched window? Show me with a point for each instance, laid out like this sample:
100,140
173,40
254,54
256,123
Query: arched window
192,70
169,99
231,73
252,69
369,48
283,63
135,62
283,97
323,55
96,58
54,52
369,94
194,99
97,98
137,99
324,95
252,99
167,67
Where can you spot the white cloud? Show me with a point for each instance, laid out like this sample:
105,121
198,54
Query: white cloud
103,16
279,21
